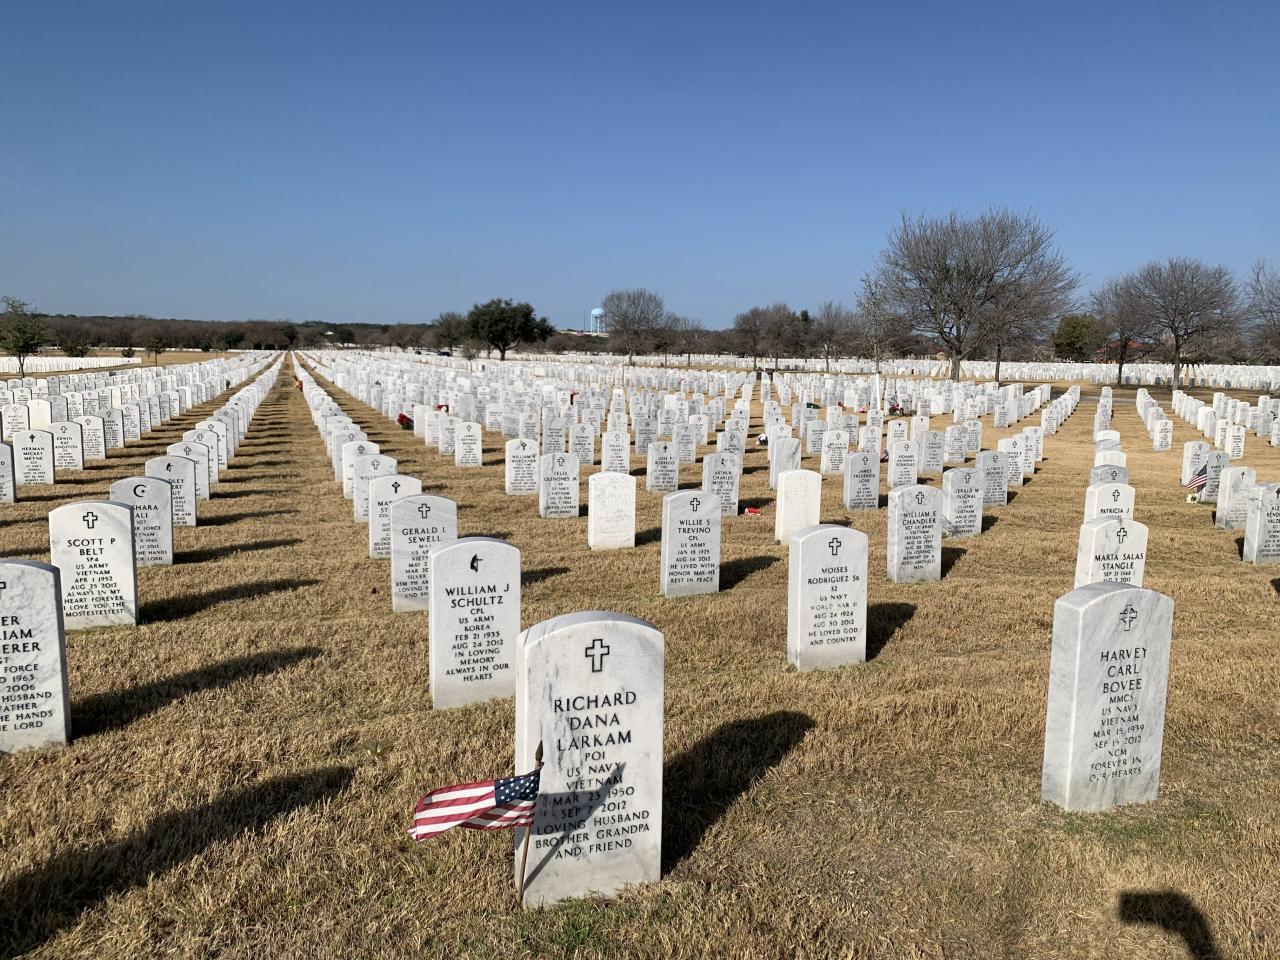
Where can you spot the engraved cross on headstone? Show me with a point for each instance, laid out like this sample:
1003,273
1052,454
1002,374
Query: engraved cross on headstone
834,544
424,510
694,504
919,498
597,652
1127,616
90,519
1121,535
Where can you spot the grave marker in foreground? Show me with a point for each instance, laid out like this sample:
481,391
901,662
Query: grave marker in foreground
1108,675
34,704
826,597
589,689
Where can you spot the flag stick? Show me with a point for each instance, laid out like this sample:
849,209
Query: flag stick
524,847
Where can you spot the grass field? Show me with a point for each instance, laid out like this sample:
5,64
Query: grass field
245,761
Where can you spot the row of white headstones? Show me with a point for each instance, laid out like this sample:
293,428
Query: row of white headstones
95,549
78,418
588,687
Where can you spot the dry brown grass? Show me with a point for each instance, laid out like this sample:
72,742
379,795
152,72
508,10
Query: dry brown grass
245,762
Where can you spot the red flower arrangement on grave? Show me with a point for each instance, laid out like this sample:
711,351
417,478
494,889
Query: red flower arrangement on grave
405,421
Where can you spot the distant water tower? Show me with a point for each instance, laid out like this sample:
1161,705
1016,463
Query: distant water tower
597,321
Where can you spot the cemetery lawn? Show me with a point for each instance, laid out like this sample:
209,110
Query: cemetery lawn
245,762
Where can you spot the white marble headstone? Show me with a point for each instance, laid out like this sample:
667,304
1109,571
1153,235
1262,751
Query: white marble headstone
611,511
418,524
827,597
34,703
474,619
152,502
91,544
690,544
1108,677
590,690
914,553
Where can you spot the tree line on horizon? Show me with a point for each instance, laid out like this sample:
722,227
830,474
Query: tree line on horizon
989,287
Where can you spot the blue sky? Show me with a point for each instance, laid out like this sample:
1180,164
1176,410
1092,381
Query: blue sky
384,162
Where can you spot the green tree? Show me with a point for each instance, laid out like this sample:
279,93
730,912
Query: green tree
22,331
156,345
73,346
1078,337
448,330
501,324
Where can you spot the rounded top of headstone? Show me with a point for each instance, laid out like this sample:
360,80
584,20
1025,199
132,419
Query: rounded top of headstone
824,530
30,564
1104,590
566,620
471,543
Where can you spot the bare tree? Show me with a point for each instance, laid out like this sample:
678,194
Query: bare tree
1034,294
1187,300
686,335
962,282
631,318
783,331
833,330
749,332
1128,329
1263,309
878,329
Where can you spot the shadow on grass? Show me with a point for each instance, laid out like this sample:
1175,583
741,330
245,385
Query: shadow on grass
652,535
40,901
237,494
989,521
228,518
216,553
733,572
1174,913
758,502
248,460
1240,547
1275,585
702,783
950,556
1012,496
119,708
883,621
179,608
530,577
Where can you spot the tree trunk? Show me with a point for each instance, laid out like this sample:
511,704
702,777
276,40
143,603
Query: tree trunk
955,367
502,353
999,357
828,359
1177,363
1121,357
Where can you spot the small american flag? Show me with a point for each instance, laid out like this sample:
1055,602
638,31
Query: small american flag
1199,480
483,805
